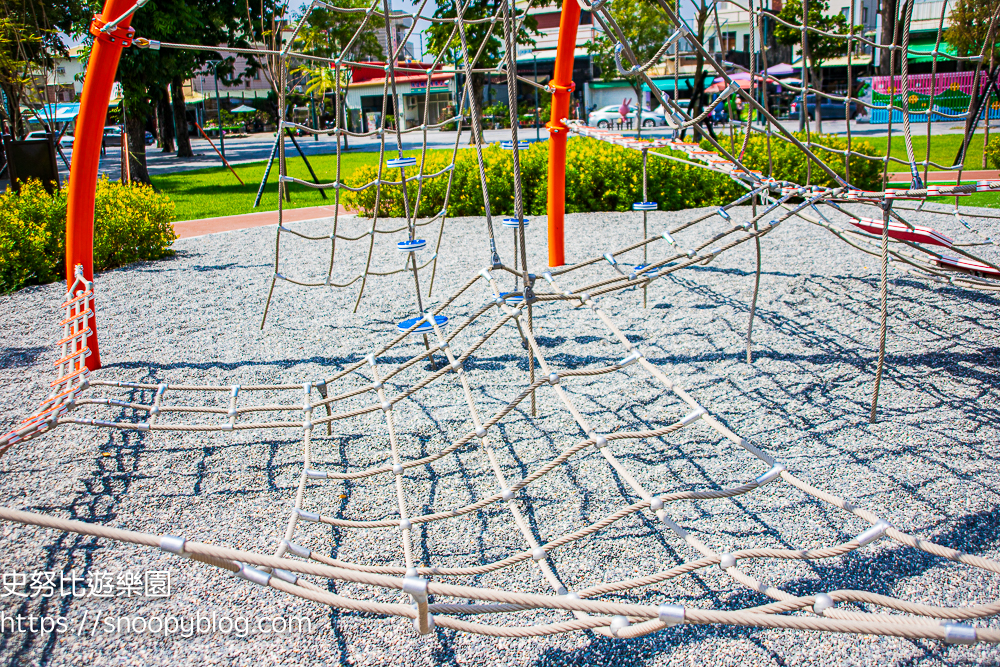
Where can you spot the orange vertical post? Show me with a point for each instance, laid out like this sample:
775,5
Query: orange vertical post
82,186
562,86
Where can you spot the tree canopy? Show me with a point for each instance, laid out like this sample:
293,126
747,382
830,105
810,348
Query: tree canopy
969,25
483,39
31,38
326,34
819,48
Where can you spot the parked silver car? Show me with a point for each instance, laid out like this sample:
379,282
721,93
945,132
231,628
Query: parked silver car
65,142
609,116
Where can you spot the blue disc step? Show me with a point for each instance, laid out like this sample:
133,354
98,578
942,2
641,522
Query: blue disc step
509,145
425,327
402,162
645,206
411,246
512,222
511,299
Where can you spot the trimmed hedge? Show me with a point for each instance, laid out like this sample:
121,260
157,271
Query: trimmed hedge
599,177
131,223
790,164
993,152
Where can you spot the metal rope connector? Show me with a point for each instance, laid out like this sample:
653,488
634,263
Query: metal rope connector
250,573
173,544
873,533
822,603
671,614
770,475
295,549
959,633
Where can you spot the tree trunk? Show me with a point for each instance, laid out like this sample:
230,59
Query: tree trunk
136,130
13,110
695,106
165,122
180,118
889,9
476,105
638,108
818,80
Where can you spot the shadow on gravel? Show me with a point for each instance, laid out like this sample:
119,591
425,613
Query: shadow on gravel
944,366
971,534
115,470
17,357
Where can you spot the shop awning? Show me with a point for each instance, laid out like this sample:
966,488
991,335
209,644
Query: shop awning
684,83
926,47
61,112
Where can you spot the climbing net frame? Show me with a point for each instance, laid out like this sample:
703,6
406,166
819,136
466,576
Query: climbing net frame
295,567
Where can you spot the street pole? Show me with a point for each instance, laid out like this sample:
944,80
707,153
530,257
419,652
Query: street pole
534,58
218,106
312,106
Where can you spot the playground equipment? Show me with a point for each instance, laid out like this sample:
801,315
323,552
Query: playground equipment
363,388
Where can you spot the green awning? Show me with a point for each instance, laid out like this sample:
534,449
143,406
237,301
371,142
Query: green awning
619,83
434,89
683,83
928,48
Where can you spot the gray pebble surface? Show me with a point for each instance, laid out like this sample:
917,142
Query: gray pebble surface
928,466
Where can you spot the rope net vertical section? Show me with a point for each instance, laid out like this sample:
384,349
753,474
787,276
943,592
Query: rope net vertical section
401,578
387,164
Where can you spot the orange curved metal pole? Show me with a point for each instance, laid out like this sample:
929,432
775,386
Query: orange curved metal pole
562,85
82,186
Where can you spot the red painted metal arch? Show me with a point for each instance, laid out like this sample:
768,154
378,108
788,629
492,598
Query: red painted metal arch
562,85
97,85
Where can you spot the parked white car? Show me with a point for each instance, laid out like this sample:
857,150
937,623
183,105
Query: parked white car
606,116
65,142
683,104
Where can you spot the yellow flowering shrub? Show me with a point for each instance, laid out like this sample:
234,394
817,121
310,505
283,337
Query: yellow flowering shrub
993,152
599,177
790,163
131,223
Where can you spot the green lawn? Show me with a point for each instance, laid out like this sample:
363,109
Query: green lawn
944,148
208,193
213,192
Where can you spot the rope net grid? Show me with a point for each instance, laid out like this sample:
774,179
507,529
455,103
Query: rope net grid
407,514
414,574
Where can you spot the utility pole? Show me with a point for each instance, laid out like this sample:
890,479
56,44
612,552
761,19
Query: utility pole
312,107
534,58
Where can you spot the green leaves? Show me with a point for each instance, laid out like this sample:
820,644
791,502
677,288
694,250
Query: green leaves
601,177
645,29
131,223
820,47
969,24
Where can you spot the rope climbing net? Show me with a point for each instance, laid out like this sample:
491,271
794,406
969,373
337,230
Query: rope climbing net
438,592
429,594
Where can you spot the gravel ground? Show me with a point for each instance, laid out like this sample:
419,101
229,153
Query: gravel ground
927,466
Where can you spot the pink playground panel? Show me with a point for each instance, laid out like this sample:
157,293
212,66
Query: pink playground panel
923,83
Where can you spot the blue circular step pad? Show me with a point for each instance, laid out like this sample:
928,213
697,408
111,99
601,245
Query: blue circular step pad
425,327
402,162
512,222
509,145
411,246
512,299
645,206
